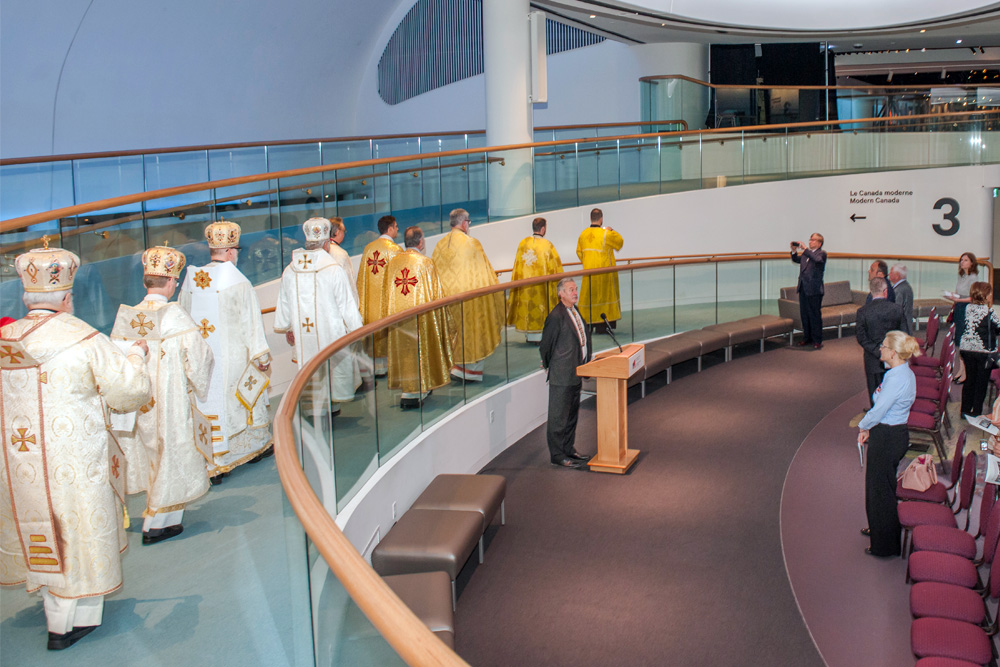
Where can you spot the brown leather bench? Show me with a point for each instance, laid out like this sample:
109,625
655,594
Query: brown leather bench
427,595
426,540
751,329
472,493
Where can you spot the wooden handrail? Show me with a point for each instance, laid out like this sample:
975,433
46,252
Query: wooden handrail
407,635
292,142
47,216
660,77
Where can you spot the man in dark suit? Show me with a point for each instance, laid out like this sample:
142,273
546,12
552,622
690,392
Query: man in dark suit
812,263
904,295
880,269
875,319
565,345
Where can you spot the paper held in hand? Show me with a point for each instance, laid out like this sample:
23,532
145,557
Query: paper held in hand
992,469
983,423
951,295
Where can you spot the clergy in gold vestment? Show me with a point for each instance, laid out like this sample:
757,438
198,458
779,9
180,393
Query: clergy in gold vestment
371,281
61,475
164,429
528,307
596,248
463,266
419,348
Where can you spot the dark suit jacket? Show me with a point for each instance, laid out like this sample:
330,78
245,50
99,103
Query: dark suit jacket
891,294
875,319
904,297
811,263
560,347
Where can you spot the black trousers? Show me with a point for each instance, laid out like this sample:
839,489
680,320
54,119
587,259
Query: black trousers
977,381
812,317
886,447
564,409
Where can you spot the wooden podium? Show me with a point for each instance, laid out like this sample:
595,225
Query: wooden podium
612,371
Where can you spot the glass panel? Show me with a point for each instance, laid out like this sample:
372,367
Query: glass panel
739,290
32,188
764,158
598,167
396,424
722,160
695,292
438,328
355,443
480,355
535,302
653,302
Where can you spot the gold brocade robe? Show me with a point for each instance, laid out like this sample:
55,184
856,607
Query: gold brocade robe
599,294
463,266
371,283
57,374
180,367
528,307
419,348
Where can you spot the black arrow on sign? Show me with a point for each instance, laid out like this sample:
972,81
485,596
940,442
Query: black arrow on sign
855,217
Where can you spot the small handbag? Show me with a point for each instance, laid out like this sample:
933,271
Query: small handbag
920,475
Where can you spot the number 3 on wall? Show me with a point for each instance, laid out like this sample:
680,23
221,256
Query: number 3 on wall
951,216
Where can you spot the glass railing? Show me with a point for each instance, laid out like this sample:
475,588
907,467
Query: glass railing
492,184
325,460
33,185
706,105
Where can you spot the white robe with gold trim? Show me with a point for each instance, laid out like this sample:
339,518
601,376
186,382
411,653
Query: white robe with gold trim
315,303
180,367
224,307
57,375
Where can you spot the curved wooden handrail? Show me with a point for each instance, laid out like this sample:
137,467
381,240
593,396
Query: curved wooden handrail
47,216
292,142
407,635
661,77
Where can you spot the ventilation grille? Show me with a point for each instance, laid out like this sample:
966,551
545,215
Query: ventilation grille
441,41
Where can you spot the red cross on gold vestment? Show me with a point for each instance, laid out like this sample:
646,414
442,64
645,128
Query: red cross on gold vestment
405,281
376,262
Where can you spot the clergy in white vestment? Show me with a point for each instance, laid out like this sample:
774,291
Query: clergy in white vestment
174,442
340,256
223,304
61,474
315,307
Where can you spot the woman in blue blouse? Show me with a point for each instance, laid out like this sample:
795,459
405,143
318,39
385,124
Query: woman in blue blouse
884,429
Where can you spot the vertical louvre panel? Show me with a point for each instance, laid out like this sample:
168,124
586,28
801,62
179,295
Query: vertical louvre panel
441,41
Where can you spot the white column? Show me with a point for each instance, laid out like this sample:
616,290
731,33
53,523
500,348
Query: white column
507,71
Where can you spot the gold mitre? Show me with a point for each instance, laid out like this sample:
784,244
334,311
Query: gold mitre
223,234
316,230
47,269
163,261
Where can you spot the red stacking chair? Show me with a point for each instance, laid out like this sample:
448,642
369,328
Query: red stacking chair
950,637
932,399
912,514
931,366
921,424
944,662
945,539
938,493
926,342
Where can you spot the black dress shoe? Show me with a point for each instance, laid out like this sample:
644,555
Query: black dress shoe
217,479
409,403
577,456
868,550
566,462
263,455
867,532
59,642
159,534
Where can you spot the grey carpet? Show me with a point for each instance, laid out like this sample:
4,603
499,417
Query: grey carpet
677,563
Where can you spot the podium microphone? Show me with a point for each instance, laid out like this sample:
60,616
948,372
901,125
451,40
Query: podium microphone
611,333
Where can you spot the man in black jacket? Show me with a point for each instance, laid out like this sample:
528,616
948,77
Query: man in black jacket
812,264
565,345
875,319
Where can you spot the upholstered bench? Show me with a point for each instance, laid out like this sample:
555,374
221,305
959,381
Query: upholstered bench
430,540
752,329
709,341
840,305
427,594
471,493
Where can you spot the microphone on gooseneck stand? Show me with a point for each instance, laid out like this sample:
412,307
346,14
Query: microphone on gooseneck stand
610,332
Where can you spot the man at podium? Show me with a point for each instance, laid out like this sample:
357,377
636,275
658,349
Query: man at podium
565,345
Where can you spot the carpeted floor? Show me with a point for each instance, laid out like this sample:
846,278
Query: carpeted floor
679,562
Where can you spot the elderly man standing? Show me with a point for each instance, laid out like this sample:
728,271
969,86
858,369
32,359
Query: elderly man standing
223,304
596,248
463,266
61,528
565,345
875,319
340,256
812,264
371,282
419,347
315,308
904,295
166,430
528,307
